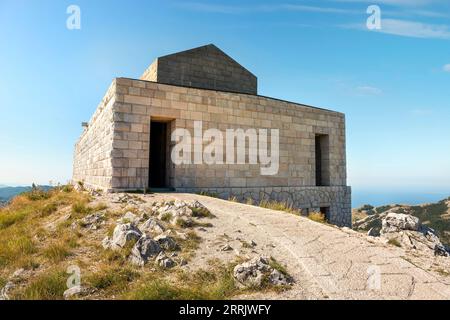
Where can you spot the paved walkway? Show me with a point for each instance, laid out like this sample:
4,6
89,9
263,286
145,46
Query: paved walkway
326,261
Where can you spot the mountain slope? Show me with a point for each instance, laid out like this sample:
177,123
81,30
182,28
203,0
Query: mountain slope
433,215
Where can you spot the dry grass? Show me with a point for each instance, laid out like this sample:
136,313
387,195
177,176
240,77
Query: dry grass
279,206
26,243
317,217
48,286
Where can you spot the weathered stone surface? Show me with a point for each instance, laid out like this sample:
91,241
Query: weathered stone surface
253,273
395,222
166,242
123,233
144,249
164,261
152,226
93,221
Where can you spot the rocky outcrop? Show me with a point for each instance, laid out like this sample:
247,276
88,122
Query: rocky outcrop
93,221
143,250
407,231
396,222
180,212
123,234
152,226
145,247
253,273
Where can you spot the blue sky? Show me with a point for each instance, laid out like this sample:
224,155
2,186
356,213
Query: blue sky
393,84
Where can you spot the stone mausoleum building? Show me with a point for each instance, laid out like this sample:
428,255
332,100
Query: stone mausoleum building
127,143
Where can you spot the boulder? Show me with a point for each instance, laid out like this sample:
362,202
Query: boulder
123,234
152,226
164,261
130,217
278,278
373,232
166,242
253,272
396,222
93,221
144,249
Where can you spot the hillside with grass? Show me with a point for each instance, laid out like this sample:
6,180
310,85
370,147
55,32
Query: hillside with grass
433,215
45,233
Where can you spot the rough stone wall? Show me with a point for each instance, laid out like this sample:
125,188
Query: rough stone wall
204,67
93,156
309,199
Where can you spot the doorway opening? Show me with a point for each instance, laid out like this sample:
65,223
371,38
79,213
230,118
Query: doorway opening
322,162
158,155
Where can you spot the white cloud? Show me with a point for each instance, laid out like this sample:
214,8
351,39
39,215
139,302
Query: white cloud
414,29
408,29
409,3
446,68
239,9
369,91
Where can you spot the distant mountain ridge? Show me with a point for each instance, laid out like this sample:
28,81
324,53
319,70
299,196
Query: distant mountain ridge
7,193
434,215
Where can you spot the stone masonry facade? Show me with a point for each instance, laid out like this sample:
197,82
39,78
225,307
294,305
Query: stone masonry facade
113,153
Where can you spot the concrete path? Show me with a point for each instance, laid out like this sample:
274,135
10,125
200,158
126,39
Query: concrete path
326,262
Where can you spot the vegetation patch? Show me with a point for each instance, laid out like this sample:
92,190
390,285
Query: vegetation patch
48,286
112,279
317,217
394,242
279,206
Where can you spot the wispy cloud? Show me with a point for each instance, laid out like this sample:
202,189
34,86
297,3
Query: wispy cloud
446,68
421,112
408,29
239,9
407,3
368,91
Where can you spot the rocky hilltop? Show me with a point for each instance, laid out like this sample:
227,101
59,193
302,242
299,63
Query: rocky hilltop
78,244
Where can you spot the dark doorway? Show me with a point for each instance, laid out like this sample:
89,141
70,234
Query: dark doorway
326,212
158,145
322,163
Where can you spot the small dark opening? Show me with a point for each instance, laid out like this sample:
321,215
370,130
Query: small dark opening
158,145
326,212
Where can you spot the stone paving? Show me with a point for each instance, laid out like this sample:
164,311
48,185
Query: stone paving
326,261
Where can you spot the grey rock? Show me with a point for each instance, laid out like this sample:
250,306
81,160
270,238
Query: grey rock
279,279
166,242
373,232
396,222
251,273
226,247
123,234
164,261
144,249
152,226
93,221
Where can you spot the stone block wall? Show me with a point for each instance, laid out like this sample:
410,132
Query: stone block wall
93,156
204,67
308,199
138,102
